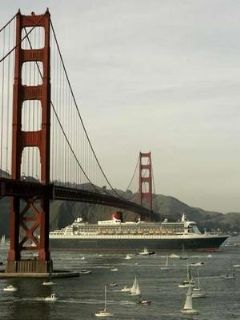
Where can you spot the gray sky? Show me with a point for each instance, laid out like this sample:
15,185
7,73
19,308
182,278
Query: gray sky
160,76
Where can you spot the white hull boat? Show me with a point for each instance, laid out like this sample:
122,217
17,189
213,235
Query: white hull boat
135,289
104,312
197,291
10,288
146,252
188,307
51,298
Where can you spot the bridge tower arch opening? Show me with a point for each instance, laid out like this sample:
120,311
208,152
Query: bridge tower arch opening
29,216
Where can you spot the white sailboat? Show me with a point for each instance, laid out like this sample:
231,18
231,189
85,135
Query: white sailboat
166,267
104,312
231,275
188,308
183,256
135,289
188,281
198,292
3,240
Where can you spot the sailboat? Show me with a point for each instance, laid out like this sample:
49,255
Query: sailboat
230,275
3,240
135,289
197,291
104,312
183,256
166,267
189,281
188,308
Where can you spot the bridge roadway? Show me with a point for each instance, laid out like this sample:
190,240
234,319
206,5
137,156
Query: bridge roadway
28,189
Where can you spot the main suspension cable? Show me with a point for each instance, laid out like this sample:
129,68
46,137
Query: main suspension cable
78,112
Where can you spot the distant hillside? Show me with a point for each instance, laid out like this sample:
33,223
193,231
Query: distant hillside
63,213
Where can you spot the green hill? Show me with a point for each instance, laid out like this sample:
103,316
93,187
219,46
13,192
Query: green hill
63,213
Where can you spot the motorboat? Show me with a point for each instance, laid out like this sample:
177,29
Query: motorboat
51,298
84,271
48,283
144,302
229,276
174,256
114,269
146,252
113,284
197,264
10,288
104,312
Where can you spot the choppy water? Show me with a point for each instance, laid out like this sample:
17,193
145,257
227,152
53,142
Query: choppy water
79,298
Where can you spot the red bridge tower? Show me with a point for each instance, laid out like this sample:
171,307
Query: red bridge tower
145,179
29,217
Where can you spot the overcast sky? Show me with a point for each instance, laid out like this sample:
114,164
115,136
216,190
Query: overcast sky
160,76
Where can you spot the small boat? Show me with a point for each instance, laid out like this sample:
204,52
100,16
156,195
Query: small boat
48,283
114,269
3,240
197,291
174,256
51,298
126,289
83,258
84,271
146,252
197,264
166,266
188,282
104,312
188,308
144,302
183,256
128,257
229,276
10,288
112,284
135,289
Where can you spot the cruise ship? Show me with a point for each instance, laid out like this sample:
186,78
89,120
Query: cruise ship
118,236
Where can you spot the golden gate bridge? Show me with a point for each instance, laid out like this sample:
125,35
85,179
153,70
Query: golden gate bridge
46,152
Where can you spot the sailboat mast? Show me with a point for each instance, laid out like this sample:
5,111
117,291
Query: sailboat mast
105,305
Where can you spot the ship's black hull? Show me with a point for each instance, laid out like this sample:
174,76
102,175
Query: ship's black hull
137,244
